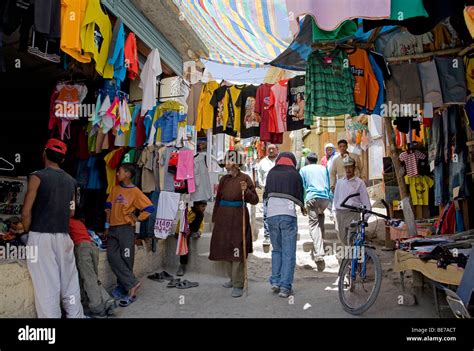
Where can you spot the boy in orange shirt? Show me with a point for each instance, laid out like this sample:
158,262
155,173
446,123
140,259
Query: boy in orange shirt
122,205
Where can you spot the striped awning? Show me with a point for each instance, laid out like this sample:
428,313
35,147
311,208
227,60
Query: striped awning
239,32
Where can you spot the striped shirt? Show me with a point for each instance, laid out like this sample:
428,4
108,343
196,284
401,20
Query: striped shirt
411,161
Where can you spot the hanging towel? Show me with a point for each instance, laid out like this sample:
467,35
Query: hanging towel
185,169
166,213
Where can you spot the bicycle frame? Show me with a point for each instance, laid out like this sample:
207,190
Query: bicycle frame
359,251
359,242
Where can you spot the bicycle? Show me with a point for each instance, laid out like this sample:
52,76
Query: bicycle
362,272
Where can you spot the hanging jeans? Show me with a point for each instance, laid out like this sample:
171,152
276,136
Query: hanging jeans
457,175
441,195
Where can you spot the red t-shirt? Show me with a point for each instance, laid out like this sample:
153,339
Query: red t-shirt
262,104
78,232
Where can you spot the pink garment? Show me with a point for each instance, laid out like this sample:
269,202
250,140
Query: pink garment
182,247
185,169
279,102
329,14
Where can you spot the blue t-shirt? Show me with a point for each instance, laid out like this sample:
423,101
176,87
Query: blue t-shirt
169,125
316,182
94,173
133,129
148,121
117,56
379,76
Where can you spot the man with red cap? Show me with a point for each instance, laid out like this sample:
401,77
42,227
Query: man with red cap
48,205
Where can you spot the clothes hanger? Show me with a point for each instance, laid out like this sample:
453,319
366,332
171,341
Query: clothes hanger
11,167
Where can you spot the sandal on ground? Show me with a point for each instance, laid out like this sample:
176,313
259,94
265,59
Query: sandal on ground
186,284
127,301
157,277
173,283
166,275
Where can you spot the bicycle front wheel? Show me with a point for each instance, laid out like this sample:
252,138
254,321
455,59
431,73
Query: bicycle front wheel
359,293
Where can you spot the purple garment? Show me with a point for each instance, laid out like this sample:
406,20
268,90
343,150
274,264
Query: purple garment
330,14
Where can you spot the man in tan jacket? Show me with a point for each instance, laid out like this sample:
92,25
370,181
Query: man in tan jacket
337,169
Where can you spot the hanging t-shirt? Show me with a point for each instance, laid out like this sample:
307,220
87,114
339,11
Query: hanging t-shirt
193,102
116,52
96,34
111,171
72,15
419,189
278,107
411,161
234,93
249,121
396,44
205,112
366,87
155,135
131,56
168,123
151,70
296,89
223,112
262,104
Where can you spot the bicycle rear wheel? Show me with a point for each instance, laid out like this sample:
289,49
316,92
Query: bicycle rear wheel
357,295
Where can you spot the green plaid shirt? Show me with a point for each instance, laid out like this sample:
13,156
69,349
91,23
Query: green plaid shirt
329,86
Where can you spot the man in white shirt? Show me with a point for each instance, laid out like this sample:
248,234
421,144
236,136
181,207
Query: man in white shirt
336,169
264,166
348,185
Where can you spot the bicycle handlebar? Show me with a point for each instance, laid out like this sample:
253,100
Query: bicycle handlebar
363,209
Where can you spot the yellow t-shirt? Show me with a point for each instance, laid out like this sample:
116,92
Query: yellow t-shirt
469,63
205,113
96,35
419,189
110,172
235,91
72,16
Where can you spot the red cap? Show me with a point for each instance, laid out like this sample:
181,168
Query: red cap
56,145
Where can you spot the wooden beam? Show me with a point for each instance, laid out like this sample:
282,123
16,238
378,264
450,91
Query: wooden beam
424,55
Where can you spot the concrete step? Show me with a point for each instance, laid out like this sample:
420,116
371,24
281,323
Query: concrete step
198,260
